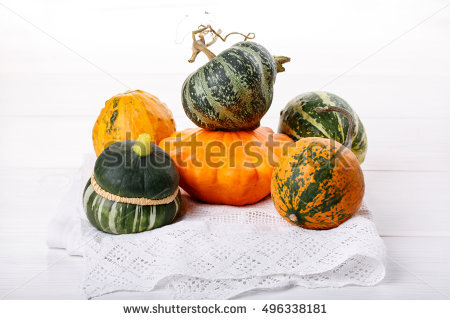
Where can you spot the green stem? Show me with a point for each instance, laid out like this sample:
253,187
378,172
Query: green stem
142,147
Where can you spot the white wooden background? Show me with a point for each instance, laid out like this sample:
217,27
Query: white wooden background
60,61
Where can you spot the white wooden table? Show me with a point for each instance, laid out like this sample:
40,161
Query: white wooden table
407,188
50,97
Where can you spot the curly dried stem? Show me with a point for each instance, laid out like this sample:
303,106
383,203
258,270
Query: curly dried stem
350,118
199,43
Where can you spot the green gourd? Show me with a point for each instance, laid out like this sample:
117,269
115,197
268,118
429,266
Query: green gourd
234,90
300,120
137,170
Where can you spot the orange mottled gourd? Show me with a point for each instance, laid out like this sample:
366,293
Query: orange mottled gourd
221,167
127,115
318,184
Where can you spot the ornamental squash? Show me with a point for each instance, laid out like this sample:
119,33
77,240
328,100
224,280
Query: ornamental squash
318,183
134,188
127,115
221,167
234,90
299,119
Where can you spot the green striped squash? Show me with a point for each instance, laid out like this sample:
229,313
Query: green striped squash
299,119
234,90
125,171
119,218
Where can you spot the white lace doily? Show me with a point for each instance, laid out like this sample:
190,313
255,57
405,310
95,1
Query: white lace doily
217,252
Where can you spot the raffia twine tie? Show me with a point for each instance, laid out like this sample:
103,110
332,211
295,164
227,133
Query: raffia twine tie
138,201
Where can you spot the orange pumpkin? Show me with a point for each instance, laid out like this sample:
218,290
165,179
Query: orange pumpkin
226,167
318,183
127,115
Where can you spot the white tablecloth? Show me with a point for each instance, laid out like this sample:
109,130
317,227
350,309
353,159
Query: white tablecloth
217,251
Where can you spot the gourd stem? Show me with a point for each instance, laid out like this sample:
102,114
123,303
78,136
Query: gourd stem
200,45
142,147
350,118
280,60
197,47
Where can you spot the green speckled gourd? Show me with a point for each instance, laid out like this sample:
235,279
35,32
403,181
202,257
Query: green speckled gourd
299,120
132,170
234,90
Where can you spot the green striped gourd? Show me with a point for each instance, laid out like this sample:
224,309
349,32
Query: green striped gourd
299,119
234,90
125,171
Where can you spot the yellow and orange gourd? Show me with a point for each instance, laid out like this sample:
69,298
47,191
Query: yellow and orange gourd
130,114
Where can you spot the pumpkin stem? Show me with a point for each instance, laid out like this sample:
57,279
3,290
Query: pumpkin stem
280,60
200,45
350,118
143,145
